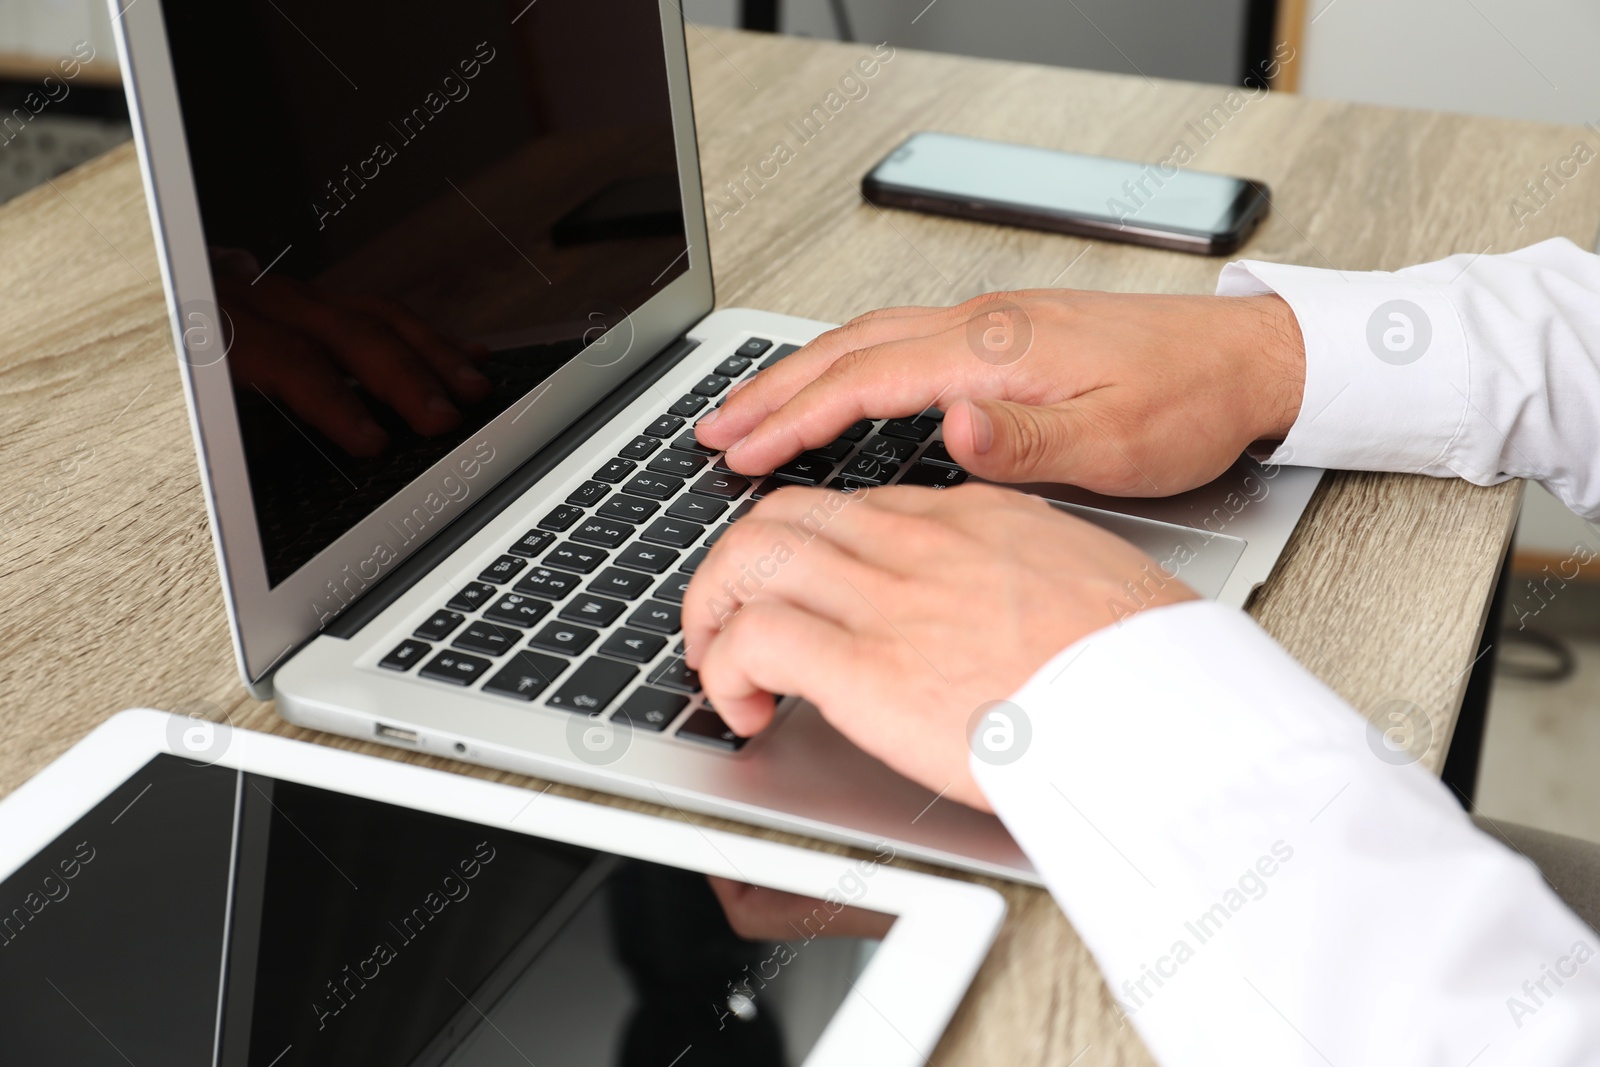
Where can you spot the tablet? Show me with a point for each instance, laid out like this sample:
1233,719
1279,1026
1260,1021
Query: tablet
176,892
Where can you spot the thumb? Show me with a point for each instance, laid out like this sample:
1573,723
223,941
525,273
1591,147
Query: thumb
1005,442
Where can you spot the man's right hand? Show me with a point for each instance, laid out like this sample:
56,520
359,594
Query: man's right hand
1123,394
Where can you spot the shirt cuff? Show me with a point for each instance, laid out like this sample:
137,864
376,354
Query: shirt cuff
1386,366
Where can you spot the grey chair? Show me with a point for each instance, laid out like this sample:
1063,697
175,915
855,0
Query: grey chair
1570,865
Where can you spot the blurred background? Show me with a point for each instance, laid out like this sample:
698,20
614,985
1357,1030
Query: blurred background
1532,60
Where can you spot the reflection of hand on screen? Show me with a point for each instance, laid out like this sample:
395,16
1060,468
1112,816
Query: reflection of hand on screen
298,344
757,913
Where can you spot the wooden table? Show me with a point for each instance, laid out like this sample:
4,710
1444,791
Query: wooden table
106,567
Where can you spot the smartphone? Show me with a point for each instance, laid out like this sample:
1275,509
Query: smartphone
1157,204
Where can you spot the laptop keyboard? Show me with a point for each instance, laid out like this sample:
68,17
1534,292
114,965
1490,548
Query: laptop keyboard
581,613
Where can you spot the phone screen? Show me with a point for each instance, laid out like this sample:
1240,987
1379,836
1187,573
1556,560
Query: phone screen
1144,195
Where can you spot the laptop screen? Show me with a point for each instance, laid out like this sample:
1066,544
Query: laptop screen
204,915
414,214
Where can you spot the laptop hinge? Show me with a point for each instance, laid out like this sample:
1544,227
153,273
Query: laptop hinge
508,492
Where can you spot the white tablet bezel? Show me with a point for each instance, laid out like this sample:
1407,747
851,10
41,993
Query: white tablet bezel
897,1009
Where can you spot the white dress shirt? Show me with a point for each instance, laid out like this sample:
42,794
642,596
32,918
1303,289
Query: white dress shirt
1258,883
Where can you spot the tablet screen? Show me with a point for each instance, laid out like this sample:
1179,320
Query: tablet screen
205,915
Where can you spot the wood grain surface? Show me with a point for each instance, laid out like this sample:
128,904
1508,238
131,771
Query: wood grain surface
106,566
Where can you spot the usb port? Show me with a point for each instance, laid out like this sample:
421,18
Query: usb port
395,733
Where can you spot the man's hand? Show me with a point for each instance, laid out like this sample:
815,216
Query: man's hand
900,611
1123,394
297,343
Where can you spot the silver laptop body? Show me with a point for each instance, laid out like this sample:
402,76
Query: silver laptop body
451,165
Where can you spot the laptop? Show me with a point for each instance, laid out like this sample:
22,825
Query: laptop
439,284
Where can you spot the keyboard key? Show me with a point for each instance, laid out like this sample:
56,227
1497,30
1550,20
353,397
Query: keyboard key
697,557
934,414
440,625
574,557
630,509
806,470
633,646
531,543
673,588
688,406
472,597
674,674
406,654
488,638
767,487
457,668
938,455
707,727
688,442
869,470
651,559
640,447
592,686
674,533
614,581
856,431
656,616
697,508
651,709
594,610
546,583
588,494
616,470
933,477
568,640
561,518
503,569
607,533
779,353
665,426
654,486
742,510
716,535
525,675
514,609
887,448
732,367
915,429
833,452
848,485
753,348
711,385
681,464
725,486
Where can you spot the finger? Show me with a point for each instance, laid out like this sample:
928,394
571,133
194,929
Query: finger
759,396
1015,443
389,368
452,362
774,646
294,372
901,377
757,557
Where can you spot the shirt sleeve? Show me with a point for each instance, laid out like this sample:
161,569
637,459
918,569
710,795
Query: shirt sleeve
1483,367
1264,877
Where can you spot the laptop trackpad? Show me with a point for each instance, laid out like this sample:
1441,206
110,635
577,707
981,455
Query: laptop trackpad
1202,560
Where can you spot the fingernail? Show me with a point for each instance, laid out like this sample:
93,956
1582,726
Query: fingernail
439,405
716,413
469,378
738,386
737,445
369,429
982,428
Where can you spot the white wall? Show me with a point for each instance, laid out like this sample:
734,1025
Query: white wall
49,28
1523,59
